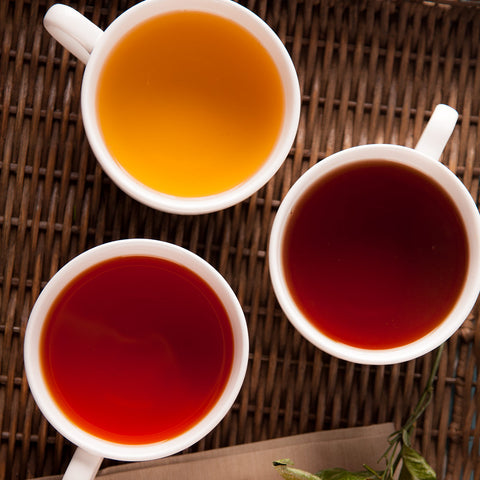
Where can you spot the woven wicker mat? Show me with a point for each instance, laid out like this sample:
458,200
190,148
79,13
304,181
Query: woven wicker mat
370,71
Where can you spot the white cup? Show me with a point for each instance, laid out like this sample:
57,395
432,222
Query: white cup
92,449
424,158
92,46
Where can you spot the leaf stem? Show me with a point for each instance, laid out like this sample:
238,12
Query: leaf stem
427,394
399,450
402,437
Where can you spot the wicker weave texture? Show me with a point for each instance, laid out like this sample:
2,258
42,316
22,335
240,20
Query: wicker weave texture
370,72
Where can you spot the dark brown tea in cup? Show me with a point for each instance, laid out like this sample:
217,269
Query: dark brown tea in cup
137,349
375,254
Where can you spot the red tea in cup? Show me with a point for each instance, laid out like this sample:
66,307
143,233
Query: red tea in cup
136,349
375,254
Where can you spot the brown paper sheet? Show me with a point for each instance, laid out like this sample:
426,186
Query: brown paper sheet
348,448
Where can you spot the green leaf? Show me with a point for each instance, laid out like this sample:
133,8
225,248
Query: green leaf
416,466
342,474
285,469
405,437
405,474
284,461
288,472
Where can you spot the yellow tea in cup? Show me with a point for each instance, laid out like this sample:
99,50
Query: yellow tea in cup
190,103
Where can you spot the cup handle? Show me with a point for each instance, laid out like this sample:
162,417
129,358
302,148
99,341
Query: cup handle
72,30
83,466
437,132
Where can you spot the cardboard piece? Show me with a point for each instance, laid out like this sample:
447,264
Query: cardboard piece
348,448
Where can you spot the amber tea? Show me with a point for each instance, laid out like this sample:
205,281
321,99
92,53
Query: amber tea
190,103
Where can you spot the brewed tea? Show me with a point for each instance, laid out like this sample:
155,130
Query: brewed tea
375,255
137,349
190,104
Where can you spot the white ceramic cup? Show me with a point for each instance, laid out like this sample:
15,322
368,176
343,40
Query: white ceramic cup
92,449
92,46
423,158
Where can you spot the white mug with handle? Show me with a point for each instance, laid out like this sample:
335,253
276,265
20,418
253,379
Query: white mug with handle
94,47
91,446
423,161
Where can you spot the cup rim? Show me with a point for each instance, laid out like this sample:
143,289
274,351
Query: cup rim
149,451
469,214
210,203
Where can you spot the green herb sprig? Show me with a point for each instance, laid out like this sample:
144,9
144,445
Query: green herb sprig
399,454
